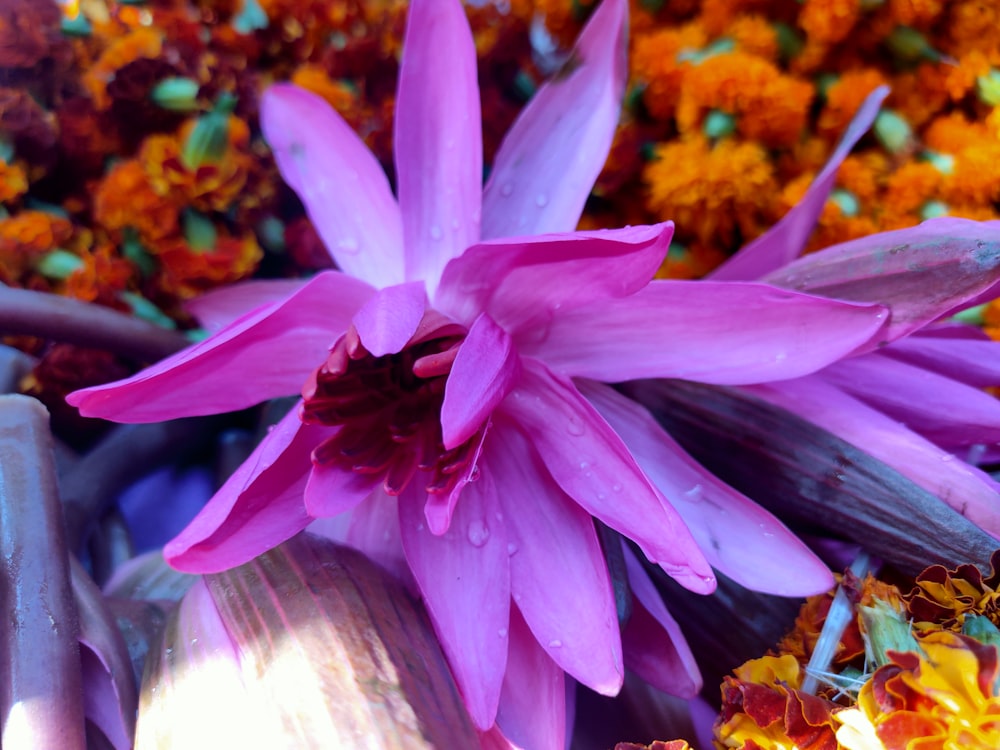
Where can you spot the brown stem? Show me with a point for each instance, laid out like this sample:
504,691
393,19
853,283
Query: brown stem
50,316
41,698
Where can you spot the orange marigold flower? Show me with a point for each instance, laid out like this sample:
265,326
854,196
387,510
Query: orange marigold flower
960,79
943,598
864,174
26,236
909,188
125,198
314,78
755,35
827,22
973,24
844,97
654,63
915,12
140,42
13,182
101,277
919,95
186,272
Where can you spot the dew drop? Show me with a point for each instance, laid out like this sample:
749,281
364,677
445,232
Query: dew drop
555,643
616,487
506,189
499,516
455,225
575,426
584,464
600,495
348,245
420,526
502,632
694,491
478,533
436,232
518,597
541,200
511,549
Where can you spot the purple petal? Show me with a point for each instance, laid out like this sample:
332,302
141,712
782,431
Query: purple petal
483,373
970,361
712,332
439,507
532,709
919,273
592,465
521,282
259,507
784,242
331,491
162,503
655,648
961,486
265,354
438,138
220,307
944,411
464,577
558,576
552,155
342,185
737,536
388,319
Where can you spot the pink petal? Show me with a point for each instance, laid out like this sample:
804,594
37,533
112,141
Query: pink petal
439,507
220,307
532,711
558,576
943,410
552,155
713,332
259,507
970,361
737,536
521,282
592,465
331,491
342,185
464,577
919,273
783,242
265,354
438,138
655,648
961,486
388,319
483,373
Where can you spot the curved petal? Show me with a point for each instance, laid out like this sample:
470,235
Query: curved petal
521,282
331,491
962,487
592,465
783,242
655,648
920,273
220,307
438,138
390,317
265,354
712,332
943,410
737,536
464,577
343,187
484,371
532,711
975,362
558,577
259,507
552,155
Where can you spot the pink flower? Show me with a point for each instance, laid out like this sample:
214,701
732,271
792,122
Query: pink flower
454,418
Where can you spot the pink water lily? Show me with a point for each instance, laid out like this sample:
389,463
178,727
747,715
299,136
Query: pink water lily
454,416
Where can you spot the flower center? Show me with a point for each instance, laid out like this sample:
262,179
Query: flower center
388,408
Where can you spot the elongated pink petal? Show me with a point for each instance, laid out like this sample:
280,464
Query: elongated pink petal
963,487
532,709
655,648
438,138
919,273
784,242
331,490
593,466
484,372
259,507
521,282
943,410
464,577
389,318
974,362
265,354
713,332
737,536
552,155
220,307
558,576
343,187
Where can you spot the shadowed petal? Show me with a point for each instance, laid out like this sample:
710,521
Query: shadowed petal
558,577
592,465
259,507
712,332
483,373
464,577
974,362
521,281
438,138
265,354
331,491
389,318
552,155
342,185
783,242
737,536
220,307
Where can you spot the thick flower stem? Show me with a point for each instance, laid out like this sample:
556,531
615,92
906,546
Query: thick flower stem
71,321
41,698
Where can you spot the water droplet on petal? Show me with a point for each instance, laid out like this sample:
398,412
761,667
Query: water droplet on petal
694,492
541,200
616,487
555,643
502,632
511,549
455,225
575,426
518,597
348,245
478,533
506,189
435,232
420,526
499,516
584,464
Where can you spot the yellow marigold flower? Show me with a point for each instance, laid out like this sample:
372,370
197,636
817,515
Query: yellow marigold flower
943,598
314,78
140,42
13,182
844,97
654,63
125,198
